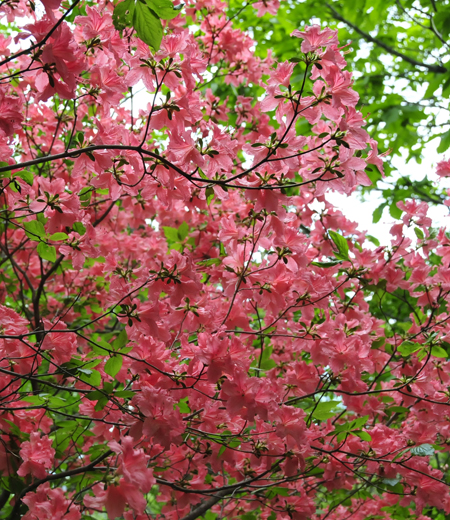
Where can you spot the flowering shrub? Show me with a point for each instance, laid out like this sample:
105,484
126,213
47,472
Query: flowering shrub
188,328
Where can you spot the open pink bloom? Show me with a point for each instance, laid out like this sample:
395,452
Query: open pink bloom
10,115
267,6
50,504
37,455
315,38
133,464
443,168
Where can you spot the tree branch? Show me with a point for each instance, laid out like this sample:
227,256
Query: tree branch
56,476
45,39
205,506
432,68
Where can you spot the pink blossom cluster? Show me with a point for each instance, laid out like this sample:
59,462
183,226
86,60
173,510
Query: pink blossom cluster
170,297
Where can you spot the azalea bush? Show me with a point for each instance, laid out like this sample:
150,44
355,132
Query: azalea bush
188,328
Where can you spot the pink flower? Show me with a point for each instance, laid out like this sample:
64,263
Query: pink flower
10,115
314,37
133,464
267,6
443,168
37,455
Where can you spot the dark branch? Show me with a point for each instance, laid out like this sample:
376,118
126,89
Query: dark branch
432,68
205,506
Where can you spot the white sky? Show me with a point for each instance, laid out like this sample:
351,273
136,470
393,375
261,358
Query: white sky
361,212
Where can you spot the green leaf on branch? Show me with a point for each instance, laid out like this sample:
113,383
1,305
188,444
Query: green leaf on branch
353,426
147,25
209,262
438,352
394,211
123,15
145,16
164,8
372,239
419,233
209,194
56,237
277,491
27,176
46,252
341,244
182,405
378,213
34,230
324,265
444,145
424,450
120,341
113,365
408,347
323,410
183,231
92,377
364,436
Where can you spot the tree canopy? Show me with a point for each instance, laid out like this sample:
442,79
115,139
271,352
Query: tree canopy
188,327
399,54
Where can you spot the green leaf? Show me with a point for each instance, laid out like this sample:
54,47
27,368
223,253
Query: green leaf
164,8
34,230
394,211
438,352
378,213
372,239
46,252
124,393
95,395
120,341
101,403
341,243
209,192
58,236
147,25
209,262
113,365
444,145
182,405
398,409
323,410
356,424
419,233
27,176
183,231
277,491
79,228
364,436
324,265
424,450
92,377
123,15
391,481
408,347
171,234
378,343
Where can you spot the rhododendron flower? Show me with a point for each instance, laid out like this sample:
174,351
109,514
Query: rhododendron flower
37,455
10,114
443,168
267,6
315,38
